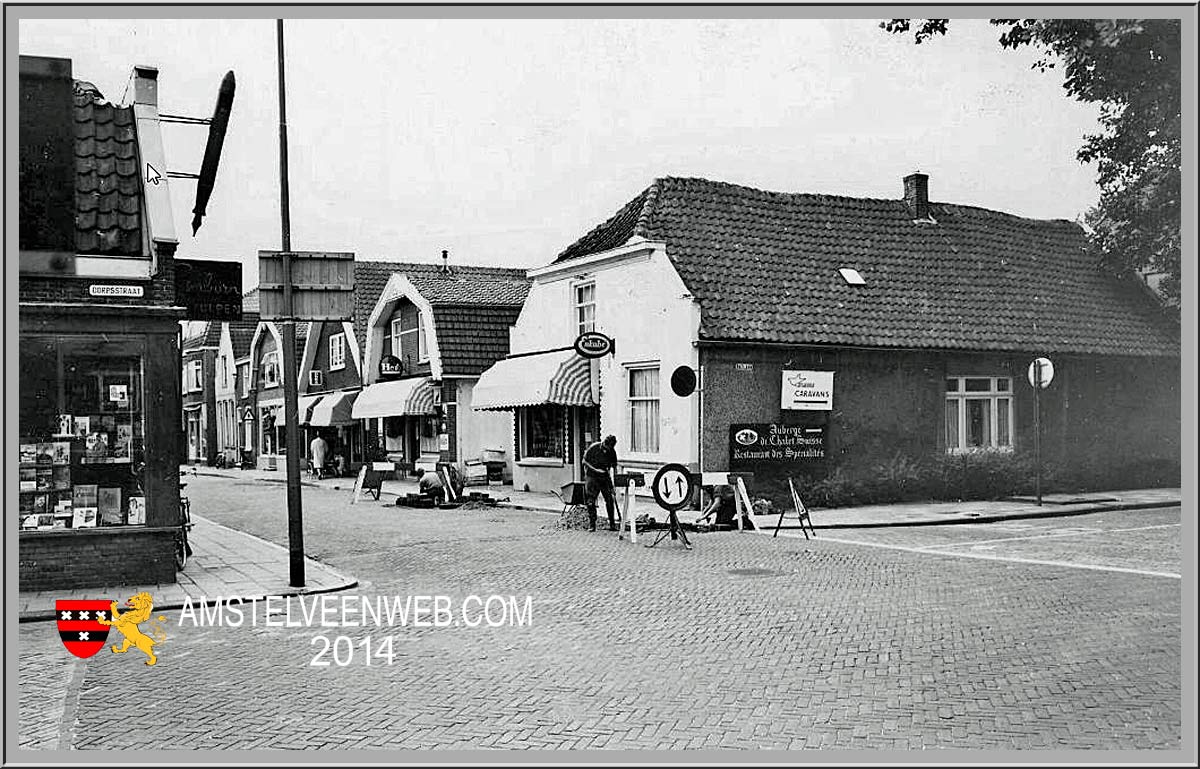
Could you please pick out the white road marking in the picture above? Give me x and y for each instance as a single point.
(1070, 533)
(982, 557)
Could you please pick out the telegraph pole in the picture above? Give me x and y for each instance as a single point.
(290, 406)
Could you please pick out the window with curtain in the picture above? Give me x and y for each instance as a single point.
(422, 342)
(337, 352)
(978, 413)
(269, 365)
(643, 409)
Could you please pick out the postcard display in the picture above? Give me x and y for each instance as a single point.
(82, 433)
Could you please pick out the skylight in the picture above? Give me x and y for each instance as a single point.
(852, 277)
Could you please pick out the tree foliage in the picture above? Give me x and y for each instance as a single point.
(1130, 68)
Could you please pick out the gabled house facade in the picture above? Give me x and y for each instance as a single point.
(265, 375)
(200, 363)
(99, 336)
(427, 338)
(836, 340)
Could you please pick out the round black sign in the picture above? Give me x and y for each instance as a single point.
(390, 365)
(683, 381)
(593, 344)
(672, 487)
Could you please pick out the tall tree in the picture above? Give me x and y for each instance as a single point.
(1130, 68)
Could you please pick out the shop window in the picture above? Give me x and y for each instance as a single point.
(337, 352)
(428, 440)
(542, 432)
(585, 307)
(643, 409)
(978, 414)
(82, 432)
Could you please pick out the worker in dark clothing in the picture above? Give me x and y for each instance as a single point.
(599, 462)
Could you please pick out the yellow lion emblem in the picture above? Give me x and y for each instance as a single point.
(140, 608)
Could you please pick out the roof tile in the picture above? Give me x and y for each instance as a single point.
(764, 267)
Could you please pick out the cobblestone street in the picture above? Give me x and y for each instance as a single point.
(746, 642)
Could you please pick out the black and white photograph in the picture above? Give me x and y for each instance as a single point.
(600, 383)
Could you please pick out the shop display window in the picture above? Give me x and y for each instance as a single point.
(82, 432)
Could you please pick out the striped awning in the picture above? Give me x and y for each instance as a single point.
(335, 410)
(304, 407)
(559, 377)
(395, 399)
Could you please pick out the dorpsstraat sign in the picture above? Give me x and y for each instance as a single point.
(807, 390)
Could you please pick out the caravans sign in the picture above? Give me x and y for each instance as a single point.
(807, 390)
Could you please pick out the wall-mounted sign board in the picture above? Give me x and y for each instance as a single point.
(807, 390)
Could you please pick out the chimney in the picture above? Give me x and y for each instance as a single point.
(916, 194)
(445, 262)
(144, 82)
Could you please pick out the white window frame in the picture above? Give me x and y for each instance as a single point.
(270, 362)
(194, 379)
(631, 400)
(993, 395)
(244, 372)
(578, 307)
(337, 343)
(422, 340)
(224, 373)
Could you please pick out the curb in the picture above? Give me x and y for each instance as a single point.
(348, 583)
(991, 517)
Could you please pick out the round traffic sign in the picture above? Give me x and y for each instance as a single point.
(1041, 372)
(683, 381)
(672, 487)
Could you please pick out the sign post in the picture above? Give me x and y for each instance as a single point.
(1041, 372)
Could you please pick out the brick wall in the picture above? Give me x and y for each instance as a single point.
(101, 557)
(1108, 419)
(159, 291)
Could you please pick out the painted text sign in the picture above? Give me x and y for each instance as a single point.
(754, 445)
(807, 390)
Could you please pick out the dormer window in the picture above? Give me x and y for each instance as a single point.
(852, 276)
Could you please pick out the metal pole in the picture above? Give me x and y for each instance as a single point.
(295, 511)
(1037, 429)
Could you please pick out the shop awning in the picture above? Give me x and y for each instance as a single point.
(304, 407)
(335, 410)
(395, 399)
(560, 377)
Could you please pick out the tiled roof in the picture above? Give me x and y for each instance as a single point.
(108, 205)
(460, 289)
(370, 278)
(241, 332)
(472, 337)
(764, 267)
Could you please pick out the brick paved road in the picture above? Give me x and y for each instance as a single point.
(746, 642)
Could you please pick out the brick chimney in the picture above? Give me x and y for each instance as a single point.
(916, 194)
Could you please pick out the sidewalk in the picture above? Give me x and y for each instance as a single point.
(230, 562)
(227, 563)
(867, 516)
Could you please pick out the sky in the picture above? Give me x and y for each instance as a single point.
(504, 140)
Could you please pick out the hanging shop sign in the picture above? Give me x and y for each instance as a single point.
(593, 344)
(390, 366)
(210, 290)
(807, 390)
(754, 445)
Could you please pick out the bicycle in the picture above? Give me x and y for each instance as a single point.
(183, 549)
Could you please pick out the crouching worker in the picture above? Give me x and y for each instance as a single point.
(430, 485)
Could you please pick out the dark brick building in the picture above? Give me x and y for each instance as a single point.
(99, 378)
